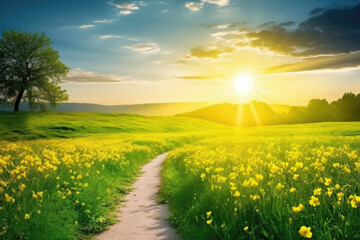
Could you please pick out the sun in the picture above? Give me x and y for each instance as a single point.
(243, 84)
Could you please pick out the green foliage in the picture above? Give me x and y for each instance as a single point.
(31, 70)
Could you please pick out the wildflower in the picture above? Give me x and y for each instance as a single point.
(202, 176)
(298, 208)
(327, 181)
(208, 214)
(305, 232)
(340, 196)
(246, 228)
(317, 192)
(27, 216)
(292, 189)
(337, 186)
(9, 199)
(314, 201)
(256, 197)
(209, 221)
(279, 186)
(223, 225)
(236, 194)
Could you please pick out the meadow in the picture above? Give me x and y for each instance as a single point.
(275, 187)
(62, 174)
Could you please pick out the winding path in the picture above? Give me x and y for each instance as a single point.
(142, 218)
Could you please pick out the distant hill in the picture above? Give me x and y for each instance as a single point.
(251, 114)
(151, 109)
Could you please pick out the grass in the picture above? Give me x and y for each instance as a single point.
(251, 186)
(62, 174)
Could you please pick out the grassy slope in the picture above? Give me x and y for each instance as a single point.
(17, 126)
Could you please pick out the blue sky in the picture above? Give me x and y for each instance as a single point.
(164, 51)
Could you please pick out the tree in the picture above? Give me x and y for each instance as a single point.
(348, 107)
(319, 110)
(31, 70)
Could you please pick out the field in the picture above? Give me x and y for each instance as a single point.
(275, 187)
(63, 174)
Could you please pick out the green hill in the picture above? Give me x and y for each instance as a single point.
(35, 125)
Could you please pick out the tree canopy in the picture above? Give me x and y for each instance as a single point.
(30, 70)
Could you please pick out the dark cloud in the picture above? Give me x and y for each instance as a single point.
(330, 31)
(318, 63)
(316, 11)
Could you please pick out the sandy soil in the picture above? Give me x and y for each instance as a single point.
(141, 218)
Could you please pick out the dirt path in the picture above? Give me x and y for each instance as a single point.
(142, 218)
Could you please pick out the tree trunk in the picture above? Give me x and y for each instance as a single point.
(18, 100)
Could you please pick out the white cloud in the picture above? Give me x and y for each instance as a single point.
(104, 21)
(220, 3)
(86, 26)
(109, 36)
(144, 47)
(126, 8)
(197, 6)
(125, 12)
(80, 76)
(223, 26)
(194, 6)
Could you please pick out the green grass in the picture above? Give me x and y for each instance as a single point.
(212, 176)
(107, 151)
(27, 126)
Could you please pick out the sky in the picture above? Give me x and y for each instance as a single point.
(130, 52)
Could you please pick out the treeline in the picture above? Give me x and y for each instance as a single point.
(346, 108)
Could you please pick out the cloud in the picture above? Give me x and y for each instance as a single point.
(79, 76)
(104, 21)
(220, 3)
(144, 47)
(200, 52)
(351, 60)
(126, 8)
(197, 6)
(194, 6)
(86, 26)
(203, 77)
(109, 36)
(325, 32)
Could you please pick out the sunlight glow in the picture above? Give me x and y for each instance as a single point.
(243, 84)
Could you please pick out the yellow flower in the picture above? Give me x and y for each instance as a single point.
(202, 176)
(223, 225)
(38, 211)
(337, 186)
(317, 192)
(236, 194)
(208, 214)
(27, 216)
(340, 196)
(279, 186)
(305, 232)
(327, 181)
(298, 208)
(292, 189)
(209, 221)
(9, 199)
(246, 228)
(256, 197)
(314, 201)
